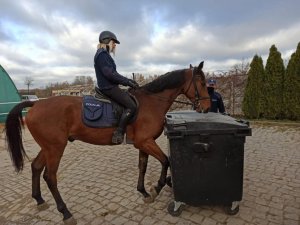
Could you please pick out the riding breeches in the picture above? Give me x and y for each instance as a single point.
(122, 97)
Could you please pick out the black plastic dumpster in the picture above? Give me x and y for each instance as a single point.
(206, 153)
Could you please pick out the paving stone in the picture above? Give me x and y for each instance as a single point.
(137, 217)
(292, 216)
(98, 184)
(294, 210)
(219, 217)
(236, 221)
(147, 220)
(97, 221)
(208, 221)
(197, 218)
(132, 223)
(119, 220)
(290, 222)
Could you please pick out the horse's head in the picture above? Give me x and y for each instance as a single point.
(195, 88)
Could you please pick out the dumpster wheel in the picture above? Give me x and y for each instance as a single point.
(175, 208)
(232, 209)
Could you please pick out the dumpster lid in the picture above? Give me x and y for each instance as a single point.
(184, 116)
(190, 122)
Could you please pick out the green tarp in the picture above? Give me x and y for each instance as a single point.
(9, 95)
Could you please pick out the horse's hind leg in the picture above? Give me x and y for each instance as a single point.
(37, 167)
(53, 158)
(143, 161)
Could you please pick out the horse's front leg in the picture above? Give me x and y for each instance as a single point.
(149, 147)
(143, 161)
(162, 180)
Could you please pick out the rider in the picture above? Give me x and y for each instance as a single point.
(215, 97)
(108, 80)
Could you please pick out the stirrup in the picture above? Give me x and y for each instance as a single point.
(117, 137)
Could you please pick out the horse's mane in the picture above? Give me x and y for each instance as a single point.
(169, 80)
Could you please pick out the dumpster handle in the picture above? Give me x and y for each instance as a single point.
(175, 135)
(204, 147)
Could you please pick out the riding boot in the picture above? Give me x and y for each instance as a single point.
(118, 135)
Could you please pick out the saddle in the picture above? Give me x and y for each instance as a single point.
(99, 111)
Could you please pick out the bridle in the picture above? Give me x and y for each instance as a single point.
(198, 98)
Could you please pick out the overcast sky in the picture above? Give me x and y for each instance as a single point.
(54, 41)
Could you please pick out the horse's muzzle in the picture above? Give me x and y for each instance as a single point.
(202, 110)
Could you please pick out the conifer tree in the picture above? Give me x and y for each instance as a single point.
(252, 100)
(273, 85)
(292, 87)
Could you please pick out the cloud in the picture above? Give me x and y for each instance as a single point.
(55, 41)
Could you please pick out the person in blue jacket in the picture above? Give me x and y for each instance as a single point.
(217, 104)
(108, 80)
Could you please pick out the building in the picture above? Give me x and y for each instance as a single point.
(75, 90)
(9, 95)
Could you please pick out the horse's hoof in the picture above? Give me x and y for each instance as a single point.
(148, 199)
(42, 206)
(153, 193)
(70, 221)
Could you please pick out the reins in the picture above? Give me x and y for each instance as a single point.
(167, 99)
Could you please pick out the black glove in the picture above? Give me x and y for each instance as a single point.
(133, 84)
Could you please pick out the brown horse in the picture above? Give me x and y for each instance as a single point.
(54, 121)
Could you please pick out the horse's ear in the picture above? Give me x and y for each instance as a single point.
(201, 65)
(191, 66)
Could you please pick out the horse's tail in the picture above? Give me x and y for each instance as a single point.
(14, 123)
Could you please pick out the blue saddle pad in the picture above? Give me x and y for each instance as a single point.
(97, 113)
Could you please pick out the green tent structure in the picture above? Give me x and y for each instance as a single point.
(9, 95)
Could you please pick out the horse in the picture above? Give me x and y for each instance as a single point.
(54, 121)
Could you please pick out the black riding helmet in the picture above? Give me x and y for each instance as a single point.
(106, 36)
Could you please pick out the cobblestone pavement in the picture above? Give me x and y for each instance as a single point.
(98, 184)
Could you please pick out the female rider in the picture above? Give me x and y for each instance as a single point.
(108, 80)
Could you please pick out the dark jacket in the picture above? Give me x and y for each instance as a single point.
(217, 104)
(106, 73)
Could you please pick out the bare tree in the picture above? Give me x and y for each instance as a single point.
(238, 79)
(231, 85)
(28, 81)
(83, 80)
(89, 80)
